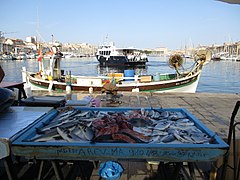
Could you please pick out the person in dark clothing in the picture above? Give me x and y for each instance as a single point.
(7, 96)
(2, 74)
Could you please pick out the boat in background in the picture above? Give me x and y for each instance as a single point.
(21, 56)
(51, 77)
(229, 57)
(108, 55)
(7, 57)
(219, 56)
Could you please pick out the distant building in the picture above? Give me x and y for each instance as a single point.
(31, 39)
(228, 48)
(82, 49)
(160, 51)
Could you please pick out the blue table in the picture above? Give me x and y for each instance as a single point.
(12, 123)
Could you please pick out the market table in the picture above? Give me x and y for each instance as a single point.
(12, 123)
(78, 151)
(19, 86)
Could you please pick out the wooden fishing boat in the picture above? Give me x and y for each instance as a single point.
(51, 78)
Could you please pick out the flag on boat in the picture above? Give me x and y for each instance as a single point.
(40, 55)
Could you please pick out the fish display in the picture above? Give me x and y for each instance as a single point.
(125, 126)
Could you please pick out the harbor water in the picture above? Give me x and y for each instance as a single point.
(216, 77)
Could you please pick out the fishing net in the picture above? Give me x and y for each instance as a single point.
(175, 61)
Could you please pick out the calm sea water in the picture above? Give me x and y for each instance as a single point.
(216, 77)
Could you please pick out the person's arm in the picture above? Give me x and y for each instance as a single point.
(2, 74)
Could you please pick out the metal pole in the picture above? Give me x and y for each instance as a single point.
(225, 160)
(52, 39)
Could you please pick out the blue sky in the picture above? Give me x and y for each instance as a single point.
(138, 23)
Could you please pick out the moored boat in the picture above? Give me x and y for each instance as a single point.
(109, 55)
(51, 77)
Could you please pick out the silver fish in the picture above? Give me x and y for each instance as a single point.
(200, 139)
(87, 132)
(144, 130)
(165, 114)
(163, 125)
(168, 138)
(64, 135)
(140, 122)
(180, 138)
(157, 132)
(155, 139)
(156, 115)
(76, 138)
(45, 137)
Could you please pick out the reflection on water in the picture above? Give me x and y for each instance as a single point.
(220, 77)
(216, 77)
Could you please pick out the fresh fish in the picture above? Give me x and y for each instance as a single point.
(87, 132)
(173, 117)
(155, 139)
(83, 114)
(104, 138)
(183, 120)
(181, 115)
(67, 114)
(135, 135)
(140, 122)
(123, 137)
(64, 135)
(47, 131)
(144, 130)
(180, 138)
(150, 113)
(157, 132)
(184, 123)
(200, 139)
(64, 125)
(75, 130)
(181, 127)
(156, 115)
(163, 125)
(165, 114)
(135, 126)
(77, 138)
(168, 138)
(45, 137)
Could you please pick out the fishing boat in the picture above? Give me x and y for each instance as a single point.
(107, 54)
(51, 77)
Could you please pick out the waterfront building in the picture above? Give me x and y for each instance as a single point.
(80, 49)
(159, 51)
(228, 48)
